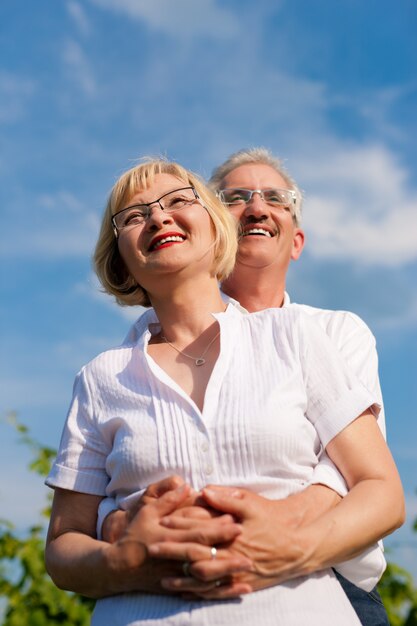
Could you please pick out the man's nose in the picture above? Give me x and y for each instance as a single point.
(256, 206)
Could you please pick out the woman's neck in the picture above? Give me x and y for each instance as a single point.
(185, 312)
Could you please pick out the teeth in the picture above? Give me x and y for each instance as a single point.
(257, 231)
(165, 239)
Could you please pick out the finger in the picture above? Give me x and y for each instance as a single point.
(179, 522)
(186, 551)
(187, 584)
(221, 592)
(194, 512)
(156, 490)
(205, 535)
(228, 500)
(216, 569)
(165, 505)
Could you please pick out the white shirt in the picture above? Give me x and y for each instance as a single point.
(355, 342)
(278, 393)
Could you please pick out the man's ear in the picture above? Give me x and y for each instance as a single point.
(298, 244)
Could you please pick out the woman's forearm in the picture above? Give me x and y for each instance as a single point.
(78, 562)
(97, 569)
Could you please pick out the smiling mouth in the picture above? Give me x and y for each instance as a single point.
(165, 241)
(256, 231)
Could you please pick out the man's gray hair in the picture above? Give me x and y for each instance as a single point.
(264, 157)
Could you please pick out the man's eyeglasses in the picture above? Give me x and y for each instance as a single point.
(138, 213)
(273, 197)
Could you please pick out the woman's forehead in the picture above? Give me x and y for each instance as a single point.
(153, 187)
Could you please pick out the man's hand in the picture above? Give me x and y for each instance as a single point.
(245, 564)
(271, 540)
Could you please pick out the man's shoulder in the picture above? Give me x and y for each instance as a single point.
(339, 324)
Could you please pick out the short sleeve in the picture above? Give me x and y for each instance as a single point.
(357, 345)
(335, 396)
(326, 473)
(81, 459)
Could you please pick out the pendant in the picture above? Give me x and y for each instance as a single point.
(199, 361)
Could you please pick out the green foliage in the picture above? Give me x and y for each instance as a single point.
(30, 596)
(399, 596)
(43, 456)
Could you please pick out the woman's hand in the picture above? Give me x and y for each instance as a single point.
(130, 551)
(79, 562)
(116, 522)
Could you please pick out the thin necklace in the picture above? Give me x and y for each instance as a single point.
(197, 361)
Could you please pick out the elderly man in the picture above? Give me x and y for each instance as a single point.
(253, 184)
(267, 204)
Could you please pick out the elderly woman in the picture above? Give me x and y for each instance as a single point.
(211, 395)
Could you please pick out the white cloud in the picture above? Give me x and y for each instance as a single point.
(361, 207)
(63, 199)
(79, 67)
(15, 93)
(93, 290)
(182, 19)
(79, 16)
(400, 321)
(34, 391)
(57, 226)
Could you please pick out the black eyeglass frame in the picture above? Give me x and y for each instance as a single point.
(148, 206)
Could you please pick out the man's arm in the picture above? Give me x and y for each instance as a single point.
(295, 510)
(373, 508)
(289, 513)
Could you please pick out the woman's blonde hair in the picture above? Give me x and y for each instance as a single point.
(108, 263)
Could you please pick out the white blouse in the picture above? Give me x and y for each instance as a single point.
(279, 392)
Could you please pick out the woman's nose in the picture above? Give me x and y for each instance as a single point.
(158, 217)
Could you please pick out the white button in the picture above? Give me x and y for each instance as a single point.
(209, 470)
(204, 446)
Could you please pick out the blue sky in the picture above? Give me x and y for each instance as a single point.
(88, 87)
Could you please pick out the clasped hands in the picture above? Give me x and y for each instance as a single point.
(259, 542)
